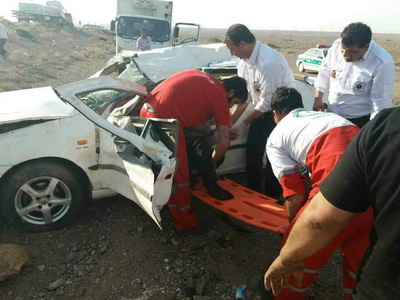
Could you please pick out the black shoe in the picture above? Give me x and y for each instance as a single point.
(219, 193)
(201, 228)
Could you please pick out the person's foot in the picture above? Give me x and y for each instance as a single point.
(219, 193)
(201, 228)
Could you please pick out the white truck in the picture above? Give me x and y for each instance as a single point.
(155, 16)
(53, 13)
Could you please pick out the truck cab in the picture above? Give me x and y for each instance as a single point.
(155, 17)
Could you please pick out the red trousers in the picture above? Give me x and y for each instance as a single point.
(353, 240)
(179, 202)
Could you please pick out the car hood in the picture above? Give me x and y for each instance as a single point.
(159, 64)
(179, 58)
(33, 104)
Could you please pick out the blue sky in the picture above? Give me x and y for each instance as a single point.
(383, 16)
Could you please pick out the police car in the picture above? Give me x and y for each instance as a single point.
(312, 58)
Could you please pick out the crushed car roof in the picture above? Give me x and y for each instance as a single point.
(159, 64)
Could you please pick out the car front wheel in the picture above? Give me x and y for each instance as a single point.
(301, 67)
(41, 196)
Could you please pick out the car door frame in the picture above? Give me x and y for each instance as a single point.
(129, 173)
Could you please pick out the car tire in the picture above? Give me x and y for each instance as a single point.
(41, 195)
(301, 67)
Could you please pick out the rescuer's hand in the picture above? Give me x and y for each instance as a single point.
(318, 104)
(277, 276)
(234, 134)
(237, 130)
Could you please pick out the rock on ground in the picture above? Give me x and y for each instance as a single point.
(12, 259)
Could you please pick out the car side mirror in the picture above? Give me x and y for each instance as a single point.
(176, 32)
(112, 25)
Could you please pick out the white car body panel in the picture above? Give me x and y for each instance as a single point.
(23, 145)
(121, 175)
(40, 103)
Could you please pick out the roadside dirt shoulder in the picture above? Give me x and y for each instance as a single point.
(46, 56)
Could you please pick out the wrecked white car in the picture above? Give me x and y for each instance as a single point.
(86, 139)
(61, 145)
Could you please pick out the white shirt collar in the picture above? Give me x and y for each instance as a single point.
(365, 56)
(253, 57)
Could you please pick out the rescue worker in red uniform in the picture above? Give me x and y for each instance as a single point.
(193, 97)
(313, 142)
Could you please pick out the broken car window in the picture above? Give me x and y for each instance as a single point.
(97, 99)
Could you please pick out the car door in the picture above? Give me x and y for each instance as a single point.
(136, 155)
(319, 57)
(186, 33)
(309, 59)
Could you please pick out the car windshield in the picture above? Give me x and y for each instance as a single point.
(325, 52)
(132, 73)
(310, 52)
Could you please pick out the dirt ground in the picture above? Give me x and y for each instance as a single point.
(114, 250)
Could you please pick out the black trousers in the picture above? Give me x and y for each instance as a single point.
(199, 154)
(259, 132)
(361, 121)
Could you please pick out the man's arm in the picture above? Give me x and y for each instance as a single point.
(382, 88)
(293, 204)
(223, 143)
(318, 103)
(237, 112)
(286, 170)
(237, 128)
(322, 82)
(255, 114)
(317, 226)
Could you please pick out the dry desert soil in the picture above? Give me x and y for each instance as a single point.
(114, 250)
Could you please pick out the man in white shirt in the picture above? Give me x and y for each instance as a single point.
(264, 70)
(359, 75)
(3, 39)
(143, 43)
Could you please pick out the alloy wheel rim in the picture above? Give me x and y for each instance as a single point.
(43, 200)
